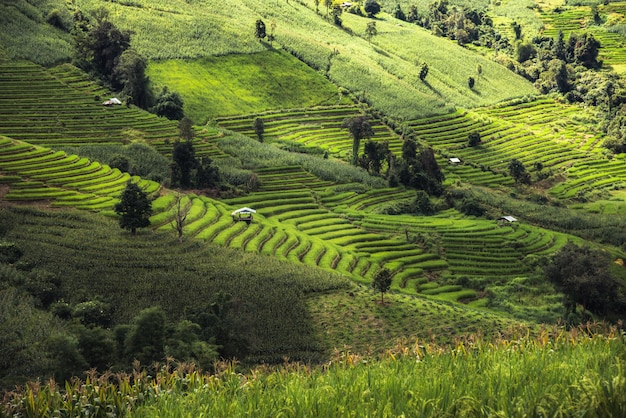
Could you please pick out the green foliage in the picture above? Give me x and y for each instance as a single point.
(169, 104)
(422, 204)
(183, 162)
(93, 313)
(130, 74)
(583, 275)
(145, 341)
(9, 252)
(518, 171)
(382, 282)
(473, 138)
(259, 128)
(371, 7)
(134, 208)
(360, 128)
(23, 329)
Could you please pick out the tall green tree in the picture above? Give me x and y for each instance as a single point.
(130, 76)
(375, 154)
(183, 163)
(398, 13)
(107, 44)
(134, 208)
(259, 128)
(185, 129)
(169, 104)
(371, 7)
(583, 275)
(382, 282)
(359, 128)
(145, 341)
(370, 31)
(518, 172)
(260, 31)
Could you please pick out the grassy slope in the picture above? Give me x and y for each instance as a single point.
(242, 83)
(384, 70)
(25, 34)
(282, 309)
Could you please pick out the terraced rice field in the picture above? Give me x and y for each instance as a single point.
(300, 217)
(318, 127)
(58, 107)
(539, 131)
(36, 173)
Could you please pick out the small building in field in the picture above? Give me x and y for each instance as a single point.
(454, 161)
(243, 214)
(503, 220)
(112, 101)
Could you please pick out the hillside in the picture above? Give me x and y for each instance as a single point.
(466, 230)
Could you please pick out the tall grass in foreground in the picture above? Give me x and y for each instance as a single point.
(556, 373)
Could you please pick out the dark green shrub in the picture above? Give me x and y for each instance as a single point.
(9, 252)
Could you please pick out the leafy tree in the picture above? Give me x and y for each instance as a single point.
(107, 44)
(183, 162)
(412, 16)
(398, 13)
(207, 175)
(259, 128)
(422, 204)
(409, 151)
(559, 46)
(337, 11)
(328, 4)
(185, 129)
(184, 344)
(371, 7)
(472, 207)
(375, 154)
(97, 346)
(583, 49)
(359, 128)
(583, 275)
(517, 30)
(525, 51)
(130, 75)
(145, 340)
(518, 172)
(67, 361)
(382, 282)
(134, 207)
(473, 138)
(470, 82)
(260, 30)
(169, 104)
(120, 162)
(423, 71)
(93, 313)
(370, 30)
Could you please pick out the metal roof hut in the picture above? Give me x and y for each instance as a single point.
(243, 214)
(112, 101)
(506, 219)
